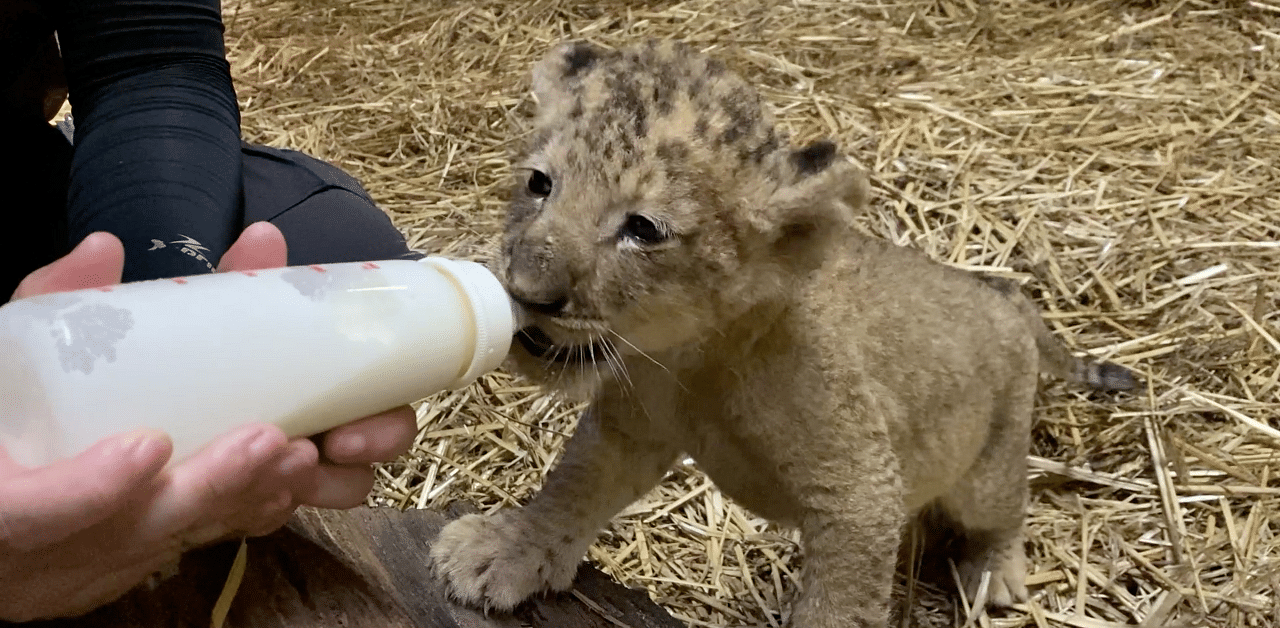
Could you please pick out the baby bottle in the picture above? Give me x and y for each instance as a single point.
(306, 348)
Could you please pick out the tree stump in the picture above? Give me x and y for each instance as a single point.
(355, 568)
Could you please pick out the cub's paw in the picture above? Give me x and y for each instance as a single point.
(496, 562)
(1008, 567)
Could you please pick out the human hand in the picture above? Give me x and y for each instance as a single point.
(345, 477)
(79, 533)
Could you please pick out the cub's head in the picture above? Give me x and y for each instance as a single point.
(655, 202)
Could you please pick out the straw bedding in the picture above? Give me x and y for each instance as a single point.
(1120, 158)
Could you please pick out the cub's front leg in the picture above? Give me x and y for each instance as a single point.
(851, 521)
(500, 560)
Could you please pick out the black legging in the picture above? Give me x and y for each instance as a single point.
(158, 159)
(157, 127)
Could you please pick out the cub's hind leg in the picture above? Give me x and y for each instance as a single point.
(988, 506)
(500, 560)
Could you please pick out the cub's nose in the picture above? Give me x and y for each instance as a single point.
(531, 279)
(547, 301)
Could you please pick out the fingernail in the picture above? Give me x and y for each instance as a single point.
(349, 445)
(274, 514)
(205, 535)
(273, 508)
(296, 460)
(143, 446)
(262, 441)
(283, 500)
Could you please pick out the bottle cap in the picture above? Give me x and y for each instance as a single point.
(496, 315)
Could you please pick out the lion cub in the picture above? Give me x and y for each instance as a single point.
(699, 278)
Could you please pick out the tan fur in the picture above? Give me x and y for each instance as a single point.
(821, 378)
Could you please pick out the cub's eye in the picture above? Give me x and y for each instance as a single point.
(643, 230)
(539, 184)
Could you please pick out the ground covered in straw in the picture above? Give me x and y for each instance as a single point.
(1119, 157)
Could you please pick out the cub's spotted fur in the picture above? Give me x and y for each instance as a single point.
(698, 277)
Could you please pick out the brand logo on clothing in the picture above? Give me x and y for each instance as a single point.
(187, 245)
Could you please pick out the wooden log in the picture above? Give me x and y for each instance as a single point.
(355, 568)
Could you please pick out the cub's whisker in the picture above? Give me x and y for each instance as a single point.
(620, 372)
(651, 359)
(637, 350)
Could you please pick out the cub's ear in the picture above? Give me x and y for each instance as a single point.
(556, 73)
(821, 191)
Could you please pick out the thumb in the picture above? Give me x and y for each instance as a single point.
(97, 261)
(261, 245)
(39, 507)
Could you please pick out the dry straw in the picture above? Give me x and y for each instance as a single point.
(1120, 157)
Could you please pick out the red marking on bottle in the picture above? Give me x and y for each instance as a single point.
(179, 280)
(370, 266)
(248, 273)
(319, 269)
(104, 289)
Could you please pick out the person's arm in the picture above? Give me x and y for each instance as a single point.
(157, 149)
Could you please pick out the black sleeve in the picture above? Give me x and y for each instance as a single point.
(157, 147)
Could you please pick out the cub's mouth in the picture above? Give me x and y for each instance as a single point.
(541, 346)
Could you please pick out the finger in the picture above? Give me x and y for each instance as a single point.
(216, 483)
(299, 468)
(97, 261)
(299, 471)
(43, 506)
(260, 245)
(272, 517)
(379, 438)
(266, 506)
(341, 487)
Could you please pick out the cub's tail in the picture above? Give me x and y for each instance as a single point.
(1057, 361)
(1055, 358)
